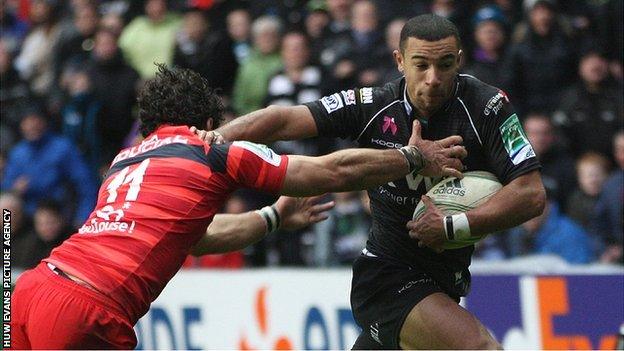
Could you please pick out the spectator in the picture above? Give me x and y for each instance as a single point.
(608, 222)
(387, 65)
(368, 50)
(208, 52)
(40, 165)
(511, 9)
(238, 28)
(611, 28)
(358, 54)
(76, 44)
(454, 11)
(592, 110)
(340, 12)
(35, 63)
(491, 248)
(114, 84)
(336, 33)
(557, 164)
(12, 29)
(14, 95)
(150, 38)
(20, 227)
(349, 228)
(489, 32)
(112, 22)
(551, 233)
(315, 24)
(539, 63)
(592, 170)
(296, 84)
(49, 230)
(81, 115)
(251, 84)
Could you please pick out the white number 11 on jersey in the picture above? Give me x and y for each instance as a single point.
(134, 178)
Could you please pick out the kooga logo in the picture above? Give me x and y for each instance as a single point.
(452, 187)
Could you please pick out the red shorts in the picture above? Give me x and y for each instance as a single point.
(54, 312)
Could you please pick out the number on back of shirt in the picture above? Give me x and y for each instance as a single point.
(134, 178)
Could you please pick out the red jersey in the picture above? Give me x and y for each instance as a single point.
(155, 204)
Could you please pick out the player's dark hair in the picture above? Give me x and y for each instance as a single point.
(178, 96)
(428, 27)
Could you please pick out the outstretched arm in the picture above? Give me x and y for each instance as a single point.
(345, 170)
(270, 124)
(232, 232)
(357, 169)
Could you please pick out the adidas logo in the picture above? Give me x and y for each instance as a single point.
(452, 187)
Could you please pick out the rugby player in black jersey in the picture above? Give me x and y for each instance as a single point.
(405, 288)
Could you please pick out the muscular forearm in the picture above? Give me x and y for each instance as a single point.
(366, 168)
(346, 170)
(516, 203)
(270, 124)
(230, 232)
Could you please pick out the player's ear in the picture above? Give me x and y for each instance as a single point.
(209, 124)
(460, 58)
(399, 60)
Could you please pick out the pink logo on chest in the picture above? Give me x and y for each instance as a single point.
(389, 124)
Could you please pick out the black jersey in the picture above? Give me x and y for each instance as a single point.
(381, 117)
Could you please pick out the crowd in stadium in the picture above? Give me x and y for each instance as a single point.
(71, 70)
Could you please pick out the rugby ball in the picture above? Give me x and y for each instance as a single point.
(453, 196)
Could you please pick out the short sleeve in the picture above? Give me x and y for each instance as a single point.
(343, 114)
(250, 165)
(507, 147)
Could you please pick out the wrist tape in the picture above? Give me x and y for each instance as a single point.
(457, 227)
(271, 217)
(415, 159)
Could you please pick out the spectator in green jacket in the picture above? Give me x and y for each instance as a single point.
(251, 86)
(150, 38)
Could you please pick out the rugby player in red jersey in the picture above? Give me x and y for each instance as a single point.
(155, 204)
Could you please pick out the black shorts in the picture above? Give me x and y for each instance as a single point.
(382, 295)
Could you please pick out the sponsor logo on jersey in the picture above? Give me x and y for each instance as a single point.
(515, 141)
(108, 219)
(413, 283)
(389, 125)
(495, 103)
(147, 145)
(332, 102)
(452, 187)
(261, 151)
(374, 331)
(349, 96)
(386, 143)
(366, 95)
(107, 211)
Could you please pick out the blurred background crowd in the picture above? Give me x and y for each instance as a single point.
(70, 72)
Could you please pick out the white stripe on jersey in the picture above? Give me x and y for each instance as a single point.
(471, 122)
(374, 116)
